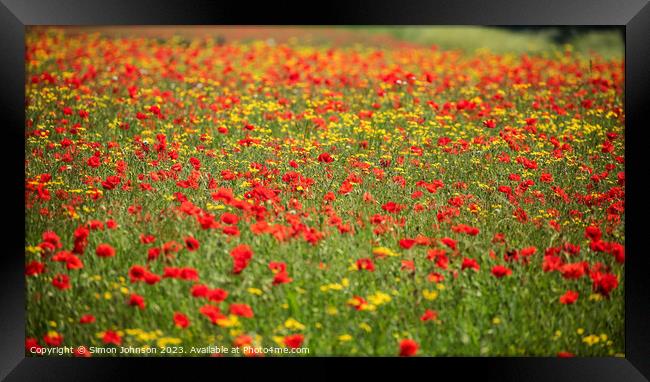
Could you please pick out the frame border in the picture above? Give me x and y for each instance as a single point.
(634, 15)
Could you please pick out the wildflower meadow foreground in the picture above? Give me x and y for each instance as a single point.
(187, 195)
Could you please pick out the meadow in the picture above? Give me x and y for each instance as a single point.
(354, 200)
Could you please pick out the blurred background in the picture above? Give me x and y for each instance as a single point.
(607, 41)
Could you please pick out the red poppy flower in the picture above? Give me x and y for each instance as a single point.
(147, 239)
(604, 283)
(599, 246)
(571, 248)
(325, 158)
(61, 281)
(111, 182)
(171, 272)
(217, 295)
(365, 264)
(54, 339)
(52, 238)
(408, 265)
(528, 251)
(137, 300)
(499, 238)
(31, 345)
(618, 251)
(242, 340)
(230, 230)
(277, 266)
(195, 163)
(241, 255)
(408, 348)
(81, 351)
(96, 225)
(439, 256)
(105, 250)
(434, 253)
(137, 273)
(294, 341)
(463, 228)
(407, 243)
(572, 271)
(228, 218)
(469, 264)
(94, 161)
(80, 239)
(151, 278)
(570, 297)
(500, 271)
(191, 243)
(281, 278)
(329, 197)
(87, 319)
(200, 290)
(171, 247)
(358, 302)
(212, 312)
(189, 274)
(73, 262)
(111, 337)
(429, 315)
(181, 320)
(593, 233)
(451, 243)
(435, 277)
(241, 310)
(490, 123)
(393, 207)
(153, 253)
(546, 177)
(34, 268)
(61, 256)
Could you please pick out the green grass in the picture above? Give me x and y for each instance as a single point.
(608, 43)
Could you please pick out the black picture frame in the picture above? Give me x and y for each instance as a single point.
(633, 15)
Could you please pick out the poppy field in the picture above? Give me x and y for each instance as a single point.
(188, 194)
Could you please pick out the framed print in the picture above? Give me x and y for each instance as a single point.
(435, 185)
